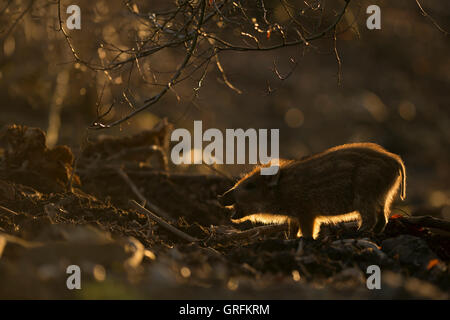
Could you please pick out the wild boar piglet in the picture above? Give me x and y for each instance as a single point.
(355, 181)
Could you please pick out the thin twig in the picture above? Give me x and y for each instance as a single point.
(224, 76)
(161, 222)
(133, 187)
(230, 47)
(141, 197)
(8, 211)
(426, 15)
(338, 59)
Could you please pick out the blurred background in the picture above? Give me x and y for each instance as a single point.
(392, 86)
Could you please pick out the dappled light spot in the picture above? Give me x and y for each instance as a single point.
(9, 46)
(101, 53)
(185, 272)
(99, 272)
(375, 106)
(296, 275)
(438, 198)
(407, 110)
(233, 284)
(294, 118)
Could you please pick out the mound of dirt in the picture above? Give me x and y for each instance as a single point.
(28, 160)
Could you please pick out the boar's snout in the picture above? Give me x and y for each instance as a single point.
(226, 199)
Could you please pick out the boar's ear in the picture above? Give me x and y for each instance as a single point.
(272, 180)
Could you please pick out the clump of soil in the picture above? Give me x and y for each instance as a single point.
(54, 214)
(28, 160)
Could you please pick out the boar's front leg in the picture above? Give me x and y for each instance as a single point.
(307, 227)
(293, 227)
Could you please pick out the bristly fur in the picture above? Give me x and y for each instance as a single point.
(357, 181)
(373, 146)
(265, 218)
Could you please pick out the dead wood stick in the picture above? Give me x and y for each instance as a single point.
(141, 197)
(429, 222)
(133, 187)
(161, 222)
(8, 211)
(20, 241)
(257, 231)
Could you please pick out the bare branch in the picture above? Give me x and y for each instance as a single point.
(202, 30)
(98, 124)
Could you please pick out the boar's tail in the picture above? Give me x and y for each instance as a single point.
(402, 172)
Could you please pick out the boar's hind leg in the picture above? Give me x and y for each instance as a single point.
(385, 211)
(368, 213)
(381, 223)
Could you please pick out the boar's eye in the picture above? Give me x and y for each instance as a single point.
(250, 186)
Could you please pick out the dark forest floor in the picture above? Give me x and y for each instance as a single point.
(51, 218)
